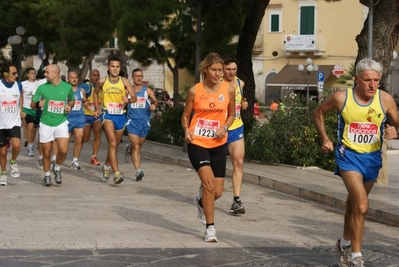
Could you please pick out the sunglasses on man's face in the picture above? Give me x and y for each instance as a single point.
(13, 73)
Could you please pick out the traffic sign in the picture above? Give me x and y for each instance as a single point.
(41, 50)
(320, 76)
(338, 70)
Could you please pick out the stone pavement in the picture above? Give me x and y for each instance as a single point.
(86, 222)
(309, 183)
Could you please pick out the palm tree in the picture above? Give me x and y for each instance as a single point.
(348, 77)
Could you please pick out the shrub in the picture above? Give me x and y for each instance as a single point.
(290, 137)
(166, 127)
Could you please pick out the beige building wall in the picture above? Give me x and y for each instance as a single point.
(336, 25)
(185, 79)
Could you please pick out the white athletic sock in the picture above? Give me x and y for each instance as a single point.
(344, 242)
(355, 255)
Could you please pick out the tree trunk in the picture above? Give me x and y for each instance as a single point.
(385, 34)
(85, 67)
(175, 72)
(244, 51)
(123, 58)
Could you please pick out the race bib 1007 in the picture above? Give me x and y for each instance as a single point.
(363, 132)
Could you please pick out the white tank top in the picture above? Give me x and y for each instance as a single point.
(9, 106)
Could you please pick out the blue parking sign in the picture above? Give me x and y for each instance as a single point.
(41, 50)
(320, 76)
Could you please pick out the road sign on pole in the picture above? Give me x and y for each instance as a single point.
(320, 81)
(41, 51)
(320, 76)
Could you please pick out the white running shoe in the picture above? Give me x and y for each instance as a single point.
(14, 170)
(200, 213)
(3, 179)
(210, 234)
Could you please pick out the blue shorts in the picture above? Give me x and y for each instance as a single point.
(138, 127)
(89, 120)
(118, 120)
(235, 135)
(367, 164)
(72, 124)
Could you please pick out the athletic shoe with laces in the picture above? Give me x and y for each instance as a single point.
(118, 178)
(106, 172)
(57, 178)
(75, 166)
(128, 154)
(345, 254)
(14, 170)
(94, 161)
(139, 175)
(200, 213)
(210, 234)
(47, 180)
(357, 262)
(3, 179)
(40, 164)
(30, 150)
(237, 207)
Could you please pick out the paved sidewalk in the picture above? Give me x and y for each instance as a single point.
(86, 222)
(309, 183)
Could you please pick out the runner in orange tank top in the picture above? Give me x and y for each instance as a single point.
(213, 104)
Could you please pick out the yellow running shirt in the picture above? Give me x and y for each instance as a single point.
(112, 94)
(237, 123)
(360, 126)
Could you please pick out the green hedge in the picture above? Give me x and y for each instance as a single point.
(288, 138)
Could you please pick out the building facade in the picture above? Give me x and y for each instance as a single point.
(293, 31)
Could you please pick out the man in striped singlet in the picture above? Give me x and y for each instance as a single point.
(362, 112)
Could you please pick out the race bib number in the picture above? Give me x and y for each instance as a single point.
(115, 108)
(9, 106)
(56, 106)
(139, 104)
(78, 105)
(206, 128)
(362, 133)
(238, 111)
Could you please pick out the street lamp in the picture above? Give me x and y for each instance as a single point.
(310, 68)
(16, 43)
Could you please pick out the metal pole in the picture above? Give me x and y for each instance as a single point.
(307, 90)
(19, 61)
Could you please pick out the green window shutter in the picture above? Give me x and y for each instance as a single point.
(307, 20)
(275, 27)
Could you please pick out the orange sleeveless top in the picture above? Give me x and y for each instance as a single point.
(210, 113)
